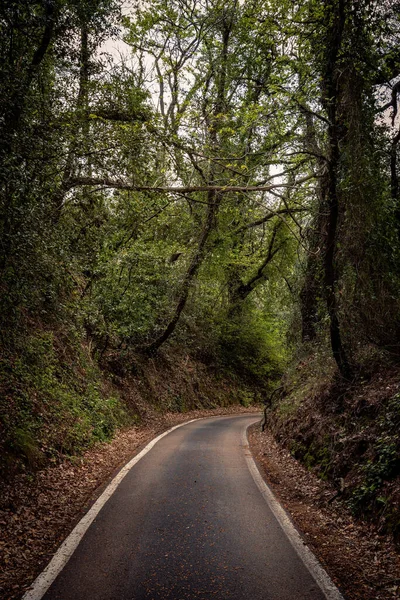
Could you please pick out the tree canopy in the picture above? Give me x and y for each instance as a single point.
(231, 187)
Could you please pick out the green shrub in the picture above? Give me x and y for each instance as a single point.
(59, 404)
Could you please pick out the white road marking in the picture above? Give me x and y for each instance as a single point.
(321, 577)
(67, 548)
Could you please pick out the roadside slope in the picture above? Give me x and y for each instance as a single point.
(363, 563)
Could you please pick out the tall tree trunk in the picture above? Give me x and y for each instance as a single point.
(312, 284)
(312, 287)
(332, 86)
(331, 277)
(80, 123)
(394, 177)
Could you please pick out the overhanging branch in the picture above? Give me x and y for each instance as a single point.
(393, 102)
(223, 189)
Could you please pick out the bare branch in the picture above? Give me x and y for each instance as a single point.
(393, 102)
(270, 215)
(307, 109)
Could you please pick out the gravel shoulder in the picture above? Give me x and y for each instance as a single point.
(364, 564)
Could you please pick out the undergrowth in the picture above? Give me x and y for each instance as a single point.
(54, 402)
(58, 397)
(347, 433)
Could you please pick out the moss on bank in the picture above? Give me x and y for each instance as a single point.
(54, 401)
(347, 432)
(58, 398)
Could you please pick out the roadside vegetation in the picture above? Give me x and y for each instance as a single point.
(211, 217)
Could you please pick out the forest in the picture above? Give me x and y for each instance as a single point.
(200, 206)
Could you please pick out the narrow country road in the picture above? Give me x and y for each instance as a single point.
(188, 522)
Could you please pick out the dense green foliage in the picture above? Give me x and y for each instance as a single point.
(228, 190)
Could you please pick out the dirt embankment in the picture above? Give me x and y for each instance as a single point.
(362, 562)
(348, 434)
(332, 454)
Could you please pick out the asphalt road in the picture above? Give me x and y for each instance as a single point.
(188, 522)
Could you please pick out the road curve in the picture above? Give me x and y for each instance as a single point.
(187, 522)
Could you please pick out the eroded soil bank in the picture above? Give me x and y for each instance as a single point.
(364, 564)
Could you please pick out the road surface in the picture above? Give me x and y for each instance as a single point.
(188, 522)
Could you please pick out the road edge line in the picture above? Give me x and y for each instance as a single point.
(43, 581)
(325, 583)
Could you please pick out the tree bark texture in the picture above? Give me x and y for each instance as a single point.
(334, 104)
